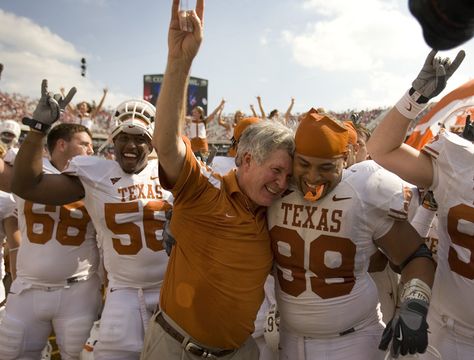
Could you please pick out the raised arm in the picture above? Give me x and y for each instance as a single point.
(386, 145)
(182, 48)
(221, 121)
(252, 109)
(214, 113)
(98, 107)
(28, 181)
(259, 101)
(288, 111)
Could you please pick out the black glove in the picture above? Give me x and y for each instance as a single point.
(49, 108)
(433, 76)
(168, 238)
(408, 330)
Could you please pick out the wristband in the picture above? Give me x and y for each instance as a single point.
(36, 125)
(416, 289)
(409, 105)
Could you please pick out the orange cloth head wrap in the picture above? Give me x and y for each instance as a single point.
(320, 136)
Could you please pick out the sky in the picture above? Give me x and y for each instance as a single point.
(338, 54)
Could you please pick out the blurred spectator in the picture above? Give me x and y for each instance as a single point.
(16, 106)
(85, 113)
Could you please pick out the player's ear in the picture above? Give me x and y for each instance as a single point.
(246, 159)
(60, 144)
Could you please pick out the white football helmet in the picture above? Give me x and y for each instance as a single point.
(11, 127)
(429, 350)
(132, 117)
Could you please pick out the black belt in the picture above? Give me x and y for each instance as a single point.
(190, 346)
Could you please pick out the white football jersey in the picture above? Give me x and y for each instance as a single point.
(7, 208)
(223, 164)
(453, 185)
(128, 211)
(58, 242)
(322, 250)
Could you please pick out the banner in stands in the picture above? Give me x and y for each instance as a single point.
(197, 91)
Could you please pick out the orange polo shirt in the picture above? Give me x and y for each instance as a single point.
(213, 286)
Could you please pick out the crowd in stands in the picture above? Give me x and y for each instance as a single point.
(16, 106)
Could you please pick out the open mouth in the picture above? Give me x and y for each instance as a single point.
(129, 155)
(314, 191)
(272, 191)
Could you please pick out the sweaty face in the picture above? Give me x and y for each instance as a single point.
(131, 152)
(80, 144)
(310, 173)
(266, 182)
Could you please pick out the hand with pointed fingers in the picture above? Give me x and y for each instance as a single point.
(51, 105)
(434, 75)
(182, 43)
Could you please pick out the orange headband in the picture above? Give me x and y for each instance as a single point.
(320, 136)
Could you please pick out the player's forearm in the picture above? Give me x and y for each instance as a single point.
(28, 165)
(389, 134)
(419, 268)
(386, 146)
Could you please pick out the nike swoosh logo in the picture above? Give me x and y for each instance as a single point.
(230, 216)
(335, 198)
(400, 337)
(408, 107)
(153, 178)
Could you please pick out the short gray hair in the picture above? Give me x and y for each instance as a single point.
(263, 138)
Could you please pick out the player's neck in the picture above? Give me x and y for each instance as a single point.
(58, 162)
